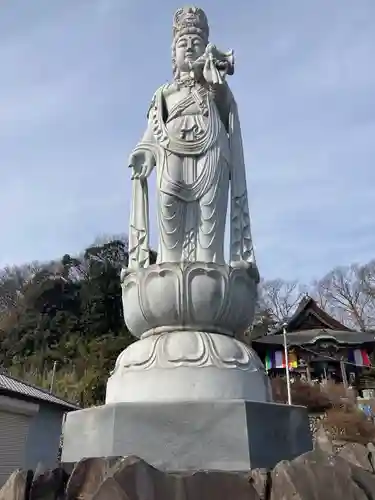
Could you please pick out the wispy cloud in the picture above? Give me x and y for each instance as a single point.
(76, 81)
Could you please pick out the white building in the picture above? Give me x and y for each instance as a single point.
(30, 426)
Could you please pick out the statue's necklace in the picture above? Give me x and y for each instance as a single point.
(188, 81)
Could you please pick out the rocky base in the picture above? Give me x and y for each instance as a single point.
(318, 474)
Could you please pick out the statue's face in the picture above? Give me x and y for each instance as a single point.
(188, 49)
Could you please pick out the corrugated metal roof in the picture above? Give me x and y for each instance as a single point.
(20, 387)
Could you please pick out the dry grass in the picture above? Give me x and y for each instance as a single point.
(349, 424)
(343, 419)
(338, 394)
(302, 394)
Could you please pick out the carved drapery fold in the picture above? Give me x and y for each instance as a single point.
(241, 244)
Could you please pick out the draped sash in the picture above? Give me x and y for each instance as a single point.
(241, 246)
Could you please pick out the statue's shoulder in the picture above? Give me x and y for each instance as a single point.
(169, 89)
(160, 94)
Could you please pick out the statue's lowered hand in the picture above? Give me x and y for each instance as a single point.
(142, 162)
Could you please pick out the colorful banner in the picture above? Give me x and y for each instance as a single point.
(276, 359)
(359, 357)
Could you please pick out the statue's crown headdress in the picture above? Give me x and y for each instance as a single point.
(190, 19)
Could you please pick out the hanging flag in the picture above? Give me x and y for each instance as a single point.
(359, 357)
(292, 360)
(276, 359)
(279, 359)
(268, 361)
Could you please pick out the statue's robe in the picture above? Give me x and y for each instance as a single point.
(197, 157)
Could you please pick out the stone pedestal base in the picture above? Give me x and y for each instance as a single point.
(180, 365)
(199, 435)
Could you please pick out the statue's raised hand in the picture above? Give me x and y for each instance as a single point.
(142, 161)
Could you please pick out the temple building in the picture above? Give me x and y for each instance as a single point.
(319, 347)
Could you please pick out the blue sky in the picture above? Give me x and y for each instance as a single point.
(77, 77)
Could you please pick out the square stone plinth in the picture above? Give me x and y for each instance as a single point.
(184, 436)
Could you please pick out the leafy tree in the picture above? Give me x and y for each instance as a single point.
(68, 312)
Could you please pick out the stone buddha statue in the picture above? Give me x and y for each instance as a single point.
(193, 141)
(190, 309)
(189, 394)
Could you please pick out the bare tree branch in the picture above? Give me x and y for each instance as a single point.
(346, 293)
(280, 298)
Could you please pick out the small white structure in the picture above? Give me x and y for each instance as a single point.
(30, 426)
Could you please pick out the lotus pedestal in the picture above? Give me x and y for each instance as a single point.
(188, 395)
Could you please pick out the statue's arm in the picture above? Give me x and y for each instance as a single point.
(228, 98)
(148, 135)
(143, 160)
(224, 100)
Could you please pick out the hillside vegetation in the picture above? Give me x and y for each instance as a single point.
(68, 312)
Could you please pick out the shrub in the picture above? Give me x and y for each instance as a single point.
(304, 394)
(349, 424)
(343, 420)
(339, 396)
